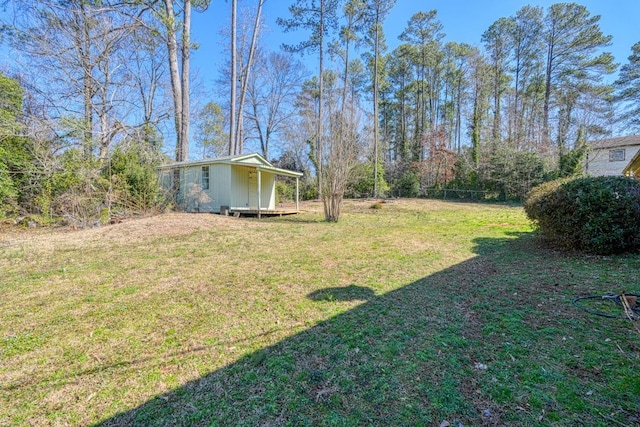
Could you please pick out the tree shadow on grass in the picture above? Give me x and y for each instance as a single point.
(402, 358)
(413, 356)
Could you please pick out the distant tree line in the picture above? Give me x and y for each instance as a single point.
(98, 88)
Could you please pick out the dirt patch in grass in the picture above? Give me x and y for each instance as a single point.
(165, 225)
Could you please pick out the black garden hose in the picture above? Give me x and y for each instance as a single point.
(613, 297)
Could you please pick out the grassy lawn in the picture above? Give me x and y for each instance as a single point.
(416, 313)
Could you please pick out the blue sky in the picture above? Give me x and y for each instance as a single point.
(463, 21)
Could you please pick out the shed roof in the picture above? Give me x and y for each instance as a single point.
(621, 141)
(251, 160)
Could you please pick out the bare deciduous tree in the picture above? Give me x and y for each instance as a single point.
(272, 90)
(245, 73)
(343, 148)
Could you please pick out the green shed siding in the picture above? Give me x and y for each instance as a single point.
(244, 191)
(268, 193)
(221, 183)
(194, 197)
(239, 188)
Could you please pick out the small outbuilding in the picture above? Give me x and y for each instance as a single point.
(227, 185)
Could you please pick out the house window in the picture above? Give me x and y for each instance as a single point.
(616, 155)
(205, 177)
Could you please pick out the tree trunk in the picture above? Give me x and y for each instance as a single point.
(376, 54)
(172, 48)
(458, 115)
(515, 131)
(87, 137)
(245, 81)
(183, 142)
(106, 131)
(547, 97)
(232, 107)
(475, 125)
(403, 119)
(495, 133)
(320, 94)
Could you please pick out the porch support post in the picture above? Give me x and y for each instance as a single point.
(297, 193)
(259, 191)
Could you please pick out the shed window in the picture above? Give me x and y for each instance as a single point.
(176, 180)
(205, 177)
(616, 155)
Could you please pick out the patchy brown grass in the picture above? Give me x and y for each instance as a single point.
(379, 319)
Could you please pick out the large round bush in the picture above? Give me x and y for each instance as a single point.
(598, 215)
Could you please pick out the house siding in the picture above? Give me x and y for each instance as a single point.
(600, 164)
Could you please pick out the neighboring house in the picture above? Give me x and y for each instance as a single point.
(613, 156)
(244, 184)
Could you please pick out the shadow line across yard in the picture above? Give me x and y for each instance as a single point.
(468, 344)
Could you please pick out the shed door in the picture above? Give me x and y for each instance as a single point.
(252, 188)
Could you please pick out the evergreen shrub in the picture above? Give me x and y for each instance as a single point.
(599, 215)
(308, 190)
(285, 191)
(408, 185)
(361, 181)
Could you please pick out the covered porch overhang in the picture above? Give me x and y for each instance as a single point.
(265, 210)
